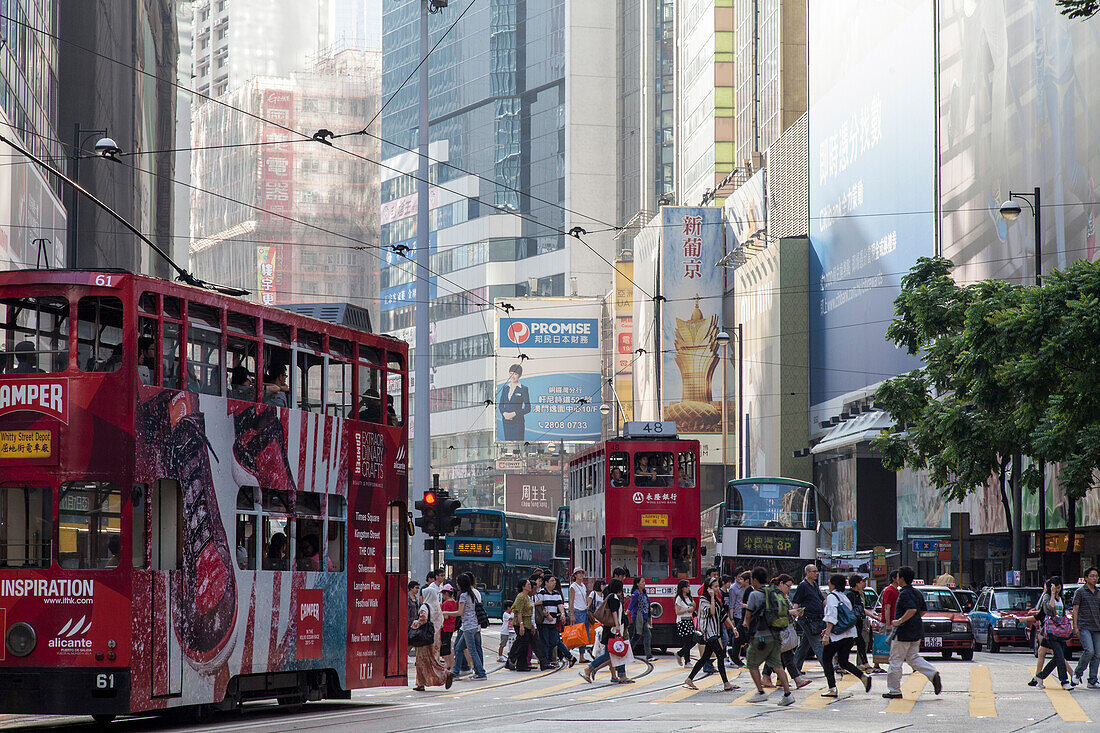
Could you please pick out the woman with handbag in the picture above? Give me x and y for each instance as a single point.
(640, 622)
(788, 639)
(424, 635)
(1058, 628)
(1042, 645)
(611, 613)
(710, 628)
(685, 622)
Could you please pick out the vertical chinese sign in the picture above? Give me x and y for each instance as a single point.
(276, 191)
(624, 338)
(691, 244)
(266, 274)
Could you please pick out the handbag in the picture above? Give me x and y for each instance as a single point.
(482, 617)
(423, 635)
(1060, 627)
(685, 627)
(788, 639)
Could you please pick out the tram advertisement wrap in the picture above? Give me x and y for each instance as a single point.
(217, 614)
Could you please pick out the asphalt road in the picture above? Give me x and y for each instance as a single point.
(989, 693)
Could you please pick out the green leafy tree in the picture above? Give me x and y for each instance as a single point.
(1078, 9)
(1007, 370)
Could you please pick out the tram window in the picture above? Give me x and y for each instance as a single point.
(247, 521)
(34, 335)
(274, 331)
(337, 528)
(166, 524)
(276, 542)
(309, 526)
(147, 303)
(99, 334)
(395, 392)
(340, 397)
(204, 361)
(620, 469)
(652, 469)
(25, 531)
(654, 559)
(89, 525)
(172, 307)
(241, 355)
(204, 315)
(397, 539)
(240, 323)
(683, 557)
(276, 501)
(370, 393)
(276, 387)
(370, 355)
(624, 554)
(687, 470)
(170, 354)
(147, 351)
(310, 370)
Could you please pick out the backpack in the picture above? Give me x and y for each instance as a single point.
(482, 617)
(845, 617)
(776, 609)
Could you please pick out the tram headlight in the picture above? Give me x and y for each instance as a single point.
(20, 639)
(655, 610)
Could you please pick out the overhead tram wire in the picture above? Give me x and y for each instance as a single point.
(324, 139)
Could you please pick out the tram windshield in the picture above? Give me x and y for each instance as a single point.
(771, 503)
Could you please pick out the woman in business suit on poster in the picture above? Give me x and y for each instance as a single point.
(514, 402)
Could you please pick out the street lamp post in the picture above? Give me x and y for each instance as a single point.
(105, 148)
(1010, 211)
(723, 340)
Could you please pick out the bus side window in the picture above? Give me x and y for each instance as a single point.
(248, 519)
(620, 469)
(397, 539)
(241, 354)
(99, 334)
(276, 385)
(166, 524)
(337, 531)
(89, 525)
(370, 394)
(276, 526)
(147, 351)
(310, 371)
(624, 553)
(687, 470)
(309, 527)
(395, 391)
(170, 355)
(684, 550)
(339, 392)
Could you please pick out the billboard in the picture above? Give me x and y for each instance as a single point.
(745, 212)
(691, 387)
(623, 355)
(872, 181)
(548, 385)
(533, 493)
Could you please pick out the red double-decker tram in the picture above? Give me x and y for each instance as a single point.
(634, 503)
(202, 500)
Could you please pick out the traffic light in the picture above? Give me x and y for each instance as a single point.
(429, 513)
(445, 514)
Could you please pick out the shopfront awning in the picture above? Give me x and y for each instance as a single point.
(858, 429)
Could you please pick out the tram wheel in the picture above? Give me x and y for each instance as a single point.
(103, 718)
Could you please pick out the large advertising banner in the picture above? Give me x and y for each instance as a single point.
(746, 214)
(548, 384)
(623, 354)
(691, 317)
(872, 181)
(533, 493)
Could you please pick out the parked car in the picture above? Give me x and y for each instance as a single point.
(1001, 616)
(946, 628)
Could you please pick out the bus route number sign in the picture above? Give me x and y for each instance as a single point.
(654, 520)
(662, 429)
(473, 548)
(768, 544)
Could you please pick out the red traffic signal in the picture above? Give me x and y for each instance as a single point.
(429, 497)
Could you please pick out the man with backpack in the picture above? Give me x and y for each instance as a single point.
(766, 615)
(839, 635)
(908, 632)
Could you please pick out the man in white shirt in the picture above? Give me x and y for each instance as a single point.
(430, 593)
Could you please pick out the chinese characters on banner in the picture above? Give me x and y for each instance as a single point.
(528, 493)
(266, 274)
(624, 338)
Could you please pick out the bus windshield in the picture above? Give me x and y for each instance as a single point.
(771, 504)
(479, 525)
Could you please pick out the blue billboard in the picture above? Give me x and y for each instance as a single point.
(872, 181)
(548, 378)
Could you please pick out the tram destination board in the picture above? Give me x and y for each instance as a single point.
(769, 543)
(473, 548)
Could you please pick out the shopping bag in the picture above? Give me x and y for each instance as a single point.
(788, 638)
(576, 635)
(620, 651)
(881, 645)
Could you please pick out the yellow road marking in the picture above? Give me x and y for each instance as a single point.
(911, 689)
(614, 690)
(982, 703)
(1063, 702)
(817, 701)
(546, 690)
(683, 693)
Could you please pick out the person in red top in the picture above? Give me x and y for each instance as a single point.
(448, 629)
(886, 614)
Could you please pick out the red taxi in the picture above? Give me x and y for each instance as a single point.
(946, 628)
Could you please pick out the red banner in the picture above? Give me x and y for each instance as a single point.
(44, 395)
(310, 639)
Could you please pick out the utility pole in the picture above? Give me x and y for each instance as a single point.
(422, 453)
